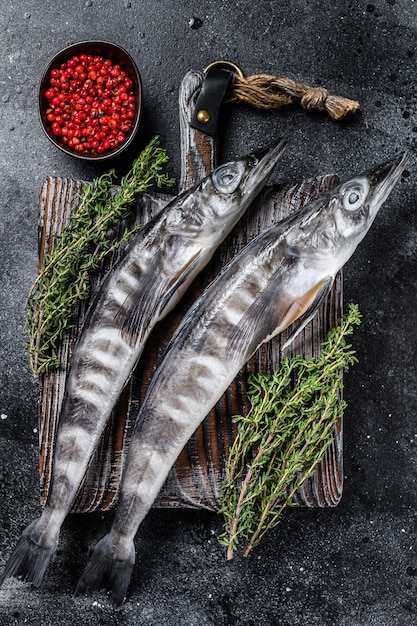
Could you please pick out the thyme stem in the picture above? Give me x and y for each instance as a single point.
(284, 436)
(87, 239)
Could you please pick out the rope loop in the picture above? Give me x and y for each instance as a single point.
(272, 92)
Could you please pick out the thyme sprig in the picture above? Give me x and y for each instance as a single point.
(87, 239)
(284, 436)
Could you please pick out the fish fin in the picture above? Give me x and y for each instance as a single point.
(105, 571)
(148, 299)
(29, 560)
(256, 323)
(308, 306)
(178, 281)
(139, 306)
(266, 317)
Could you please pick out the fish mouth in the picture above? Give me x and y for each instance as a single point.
(266, 159)
(384, 177)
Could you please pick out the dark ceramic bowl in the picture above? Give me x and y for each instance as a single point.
(116, 55)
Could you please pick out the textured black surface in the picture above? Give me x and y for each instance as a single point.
(349, 566)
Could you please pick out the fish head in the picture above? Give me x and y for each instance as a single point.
(240, 181)
(336, 223)
(215, 205)
(359, 199)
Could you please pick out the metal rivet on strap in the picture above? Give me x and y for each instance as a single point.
(203, 116)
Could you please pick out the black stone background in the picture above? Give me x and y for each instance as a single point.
(355, 565)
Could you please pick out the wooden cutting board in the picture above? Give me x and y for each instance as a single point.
(196, 478)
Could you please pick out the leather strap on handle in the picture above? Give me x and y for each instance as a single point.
(206, 113)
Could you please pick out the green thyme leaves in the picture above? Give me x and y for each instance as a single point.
(284, 436)
(85, 241)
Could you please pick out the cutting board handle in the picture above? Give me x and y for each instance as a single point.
(198, 150)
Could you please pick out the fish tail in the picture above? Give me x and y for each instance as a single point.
(29, 559)
(107, 571)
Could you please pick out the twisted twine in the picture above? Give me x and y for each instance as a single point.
(269, 92)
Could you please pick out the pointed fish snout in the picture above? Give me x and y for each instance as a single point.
(383, 177)
(270, 148)
(266, 159)
(268, 156)
(389, 171)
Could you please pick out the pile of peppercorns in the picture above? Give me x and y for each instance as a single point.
(91, 104)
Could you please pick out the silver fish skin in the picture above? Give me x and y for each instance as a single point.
(279, 279)
(140, 290)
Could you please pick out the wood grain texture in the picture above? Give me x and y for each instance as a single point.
(198, 151)
(195, 480)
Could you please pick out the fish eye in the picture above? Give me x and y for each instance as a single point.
(226, 178)
(353, 195)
